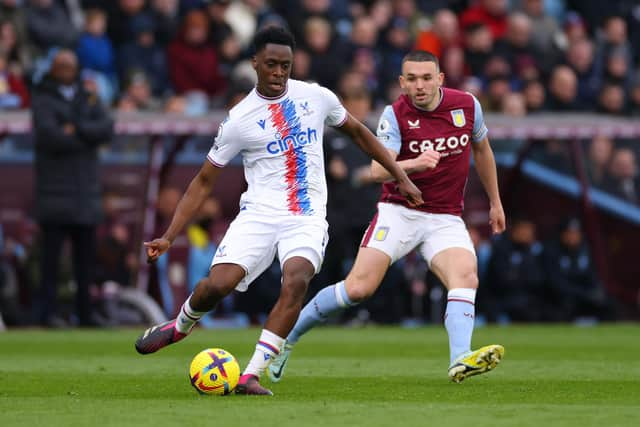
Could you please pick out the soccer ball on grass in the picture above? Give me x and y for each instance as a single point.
(214, 371)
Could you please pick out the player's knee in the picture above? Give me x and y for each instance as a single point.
(468, 280)
(294, 288)
(359, 289)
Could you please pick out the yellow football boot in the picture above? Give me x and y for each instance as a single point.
(476, 362)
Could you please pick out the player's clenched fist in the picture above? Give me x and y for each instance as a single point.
(428, 159)
(156, 247)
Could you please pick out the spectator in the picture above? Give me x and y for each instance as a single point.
(515, 279)
(121, 12)
(94, 47)
(165, 16)
(220, 28)
(498, 87)
(623, 180)
(49, 25)
(444, 33)
(142, 53)
(478, 42)
(407, 10)
(534, 95)
(381, 11)
(15, 47)
(452, 64)
(611, 99)
(201, 247)
(114, 260)
(396, 44)
(618, 68)
(301, 65)
(514, 105)
(193, 62)
(544, 27)
(175, 105)
(598, 159)
(229, 54)
(97, 84)
(13, 91)
(516, 47)
(137, 95)
(364, 34)
(580, 57)
(574, 29)
(14, 11)
(69, 125)
(492, 13)
(473, 85)
(613, 37)
(563, 90)
(324, 51)
(96, 55)
(574, 287)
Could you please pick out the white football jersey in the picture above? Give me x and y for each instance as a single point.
(280, 140)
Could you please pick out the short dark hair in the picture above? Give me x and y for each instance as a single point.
(274, 35)
(421, 56)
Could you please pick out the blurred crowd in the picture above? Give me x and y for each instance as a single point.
(190, 56)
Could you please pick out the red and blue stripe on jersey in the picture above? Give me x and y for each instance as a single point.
(286, 121)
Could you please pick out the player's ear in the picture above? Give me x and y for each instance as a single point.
(401, 81)
(254, 63)
(441, 78)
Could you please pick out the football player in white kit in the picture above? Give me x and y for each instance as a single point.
(277, 128)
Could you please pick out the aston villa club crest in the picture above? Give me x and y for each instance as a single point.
(458, 118)
(381, 234)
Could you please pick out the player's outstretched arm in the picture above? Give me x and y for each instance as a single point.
(198, 190)
(368, 142)
(486, 168)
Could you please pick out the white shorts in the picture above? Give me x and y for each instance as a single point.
(253, 240)
(396, 231)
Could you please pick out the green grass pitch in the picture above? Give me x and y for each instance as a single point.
(550, 376)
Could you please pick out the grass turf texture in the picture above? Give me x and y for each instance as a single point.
(551, 375)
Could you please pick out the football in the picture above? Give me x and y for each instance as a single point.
(214, 371)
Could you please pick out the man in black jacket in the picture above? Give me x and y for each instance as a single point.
(573, 285)
(69, 124)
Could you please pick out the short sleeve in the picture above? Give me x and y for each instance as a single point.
(388, 131)
(225, 146)
(336, 113)
(480, 130)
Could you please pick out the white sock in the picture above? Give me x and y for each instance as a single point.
(268, 347)
(459, 319)
(187, 317)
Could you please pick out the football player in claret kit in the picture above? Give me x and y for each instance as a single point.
(277, 128)
(427, 120)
